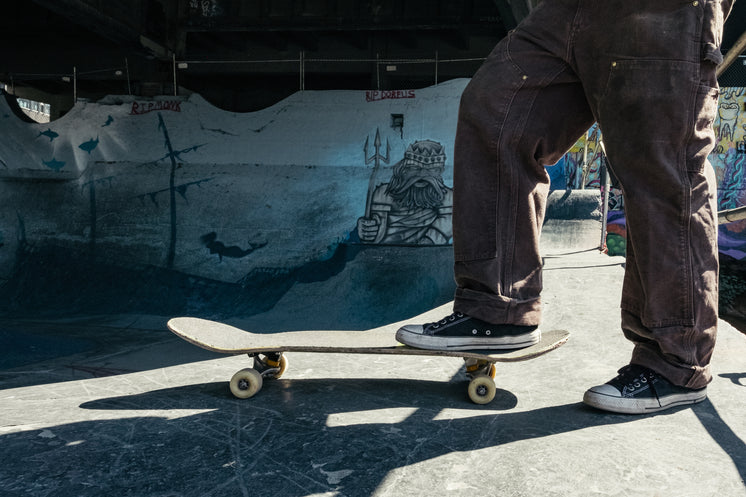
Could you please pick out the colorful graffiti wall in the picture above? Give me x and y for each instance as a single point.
(581, 166)
(729, 161)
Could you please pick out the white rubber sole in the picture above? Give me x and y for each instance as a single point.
(597, 397)
(412, 335)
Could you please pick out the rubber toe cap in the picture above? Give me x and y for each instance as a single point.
(606, 390)
(415, 329)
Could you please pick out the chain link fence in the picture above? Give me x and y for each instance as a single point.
(735, 75)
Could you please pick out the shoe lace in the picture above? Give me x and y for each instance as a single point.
(448, 319)
(633, 377)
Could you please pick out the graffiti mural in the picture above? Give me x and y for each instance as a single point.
(246, 210)
(583, 164)
(415, 207)
(583, 161)
(175, 206)
(729, 161)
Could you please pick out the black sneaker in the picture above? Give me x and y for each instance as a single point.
(461, 332)
(639, 390)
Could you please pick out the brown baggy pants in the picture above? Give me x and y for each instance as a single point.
(645, 70)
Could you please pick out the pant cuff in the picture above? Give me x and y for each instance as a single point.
(684, 376)
(496, 309)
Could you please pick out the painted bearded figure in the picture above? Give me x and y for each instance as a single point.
(416, 206)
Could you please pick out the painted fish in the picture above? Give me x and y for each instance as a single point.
(89, 146)
(54, 164)
(49, 134)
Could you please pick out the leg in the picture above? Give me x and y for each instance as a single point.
(656, 102)
(522, 110)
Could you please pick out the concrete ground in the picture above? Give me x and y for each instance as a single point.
(121, 407)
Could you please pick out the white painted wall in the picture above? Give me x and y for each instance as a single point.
(292, 176)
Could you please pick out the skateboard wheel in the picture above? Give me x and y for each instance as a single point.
(482, 389)
(246, 383)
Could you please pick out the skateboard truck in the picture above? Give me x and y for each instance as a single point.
(270, 365)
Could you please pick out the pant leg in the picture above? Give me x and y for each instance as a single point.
(521, 111)
(655, 95)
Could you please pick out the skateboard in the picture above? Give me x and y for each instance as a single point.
(268, 349)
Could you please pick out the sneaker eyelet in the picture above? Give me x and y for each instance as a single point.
(474, 332)
(488, 332)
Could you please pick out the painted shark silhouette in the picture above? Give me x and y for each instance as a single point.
(54, 164)
(89, 146)
(49, 134)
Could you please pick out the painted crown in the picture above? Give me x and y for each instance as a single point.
(426, 152)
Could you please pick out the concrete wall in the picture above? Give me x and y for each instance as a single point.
(145, 181)
(244, 204)
(170, 206)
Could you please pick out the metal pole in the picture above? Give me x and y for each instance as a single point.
(302, 70)
(732, 54)
(127, 70)
(606, 185)
(173, 59)
(378, 73)
(730, 215)
(581, 186)
(436, 68)
(75, 85)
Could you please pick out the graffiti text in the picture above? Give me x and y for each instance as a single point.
(145, 107)
(375, 95)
